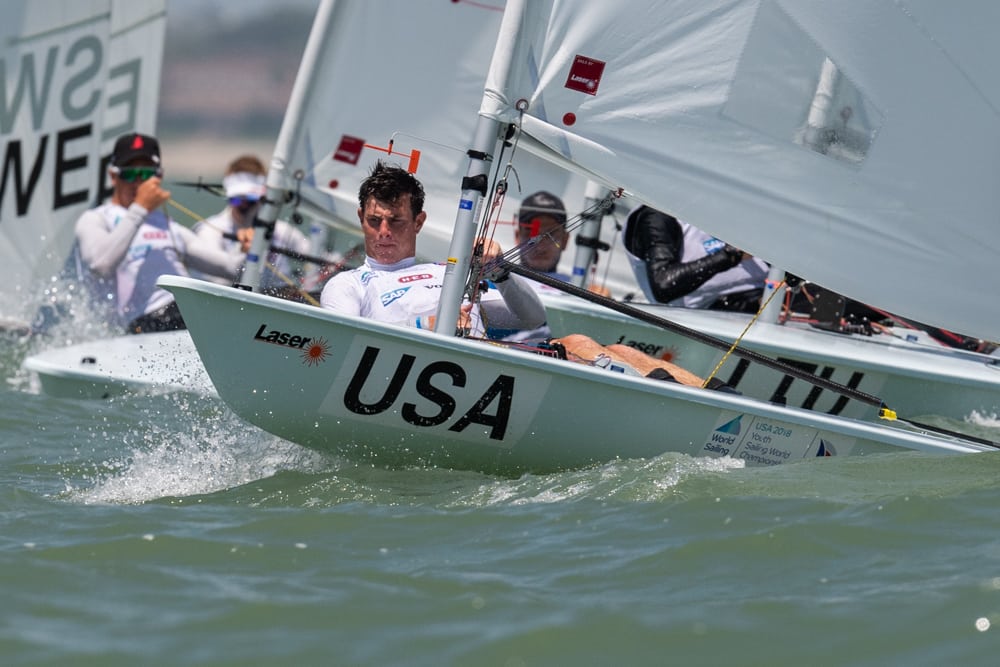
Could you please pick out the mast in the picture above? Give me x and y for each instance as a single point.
(474, 187)
(277, 179)
(588, 240)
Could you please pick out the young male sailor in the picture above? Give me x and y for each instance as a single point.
(390, 286)
(131, 239)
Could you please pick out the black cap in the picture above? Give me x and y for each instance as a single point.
(133, 146)
(541, 203)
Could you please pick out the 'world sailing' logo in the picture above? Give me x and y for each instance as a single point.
(724, 438)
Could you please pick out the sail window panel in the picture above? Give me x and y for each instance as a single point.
(786, 88)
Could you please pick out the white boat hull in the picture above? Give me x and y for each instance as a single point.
(108, 367)
(402, 396)
(913, 378)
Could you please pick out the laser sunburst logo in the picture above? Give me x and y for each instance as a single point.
(316, 352)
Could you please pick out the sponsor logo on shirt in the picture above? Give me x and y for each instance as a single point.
(366, 277)
(415, 277)
(712, 246)
(395, 294)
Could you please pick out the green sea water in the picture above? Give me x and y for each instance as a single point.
(163, 530)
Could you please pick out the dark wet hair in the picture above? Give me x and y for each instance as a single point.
(388, 183)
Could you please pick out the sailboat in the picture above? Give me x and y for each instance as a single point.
(334, 144)
(400, 396)
(75, 77)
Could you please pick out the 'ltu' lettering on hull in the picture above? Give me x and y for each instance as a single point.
(492, 409)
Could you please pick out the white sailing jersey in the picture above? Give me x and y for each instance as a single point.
(407, 294)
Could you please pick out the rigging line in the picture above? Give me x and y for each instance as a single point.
(572, 224)
(753, 320)
(291, 283)
(527, 247)
(495, 193)
(649, 318)
(232, 237)
(948, 432)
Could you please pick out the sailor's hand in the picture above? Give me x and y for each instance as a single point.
(245, 237)
(464, 320)
(735, 254)
(491, 250)
(151, 195)
(600, 290)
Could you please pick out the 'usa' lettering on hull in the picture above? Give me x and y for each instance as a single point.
(492, 409)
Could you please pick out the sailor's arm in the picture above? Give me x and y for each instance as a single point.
(522, 301)
(206, 257)
(103, 250)
(659, 242)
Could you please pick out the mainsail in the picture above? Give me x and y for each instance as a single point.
(73, 76)
(369, 86)
(703, 109)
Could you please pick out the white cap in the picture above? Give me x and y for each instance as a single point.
(244, 184)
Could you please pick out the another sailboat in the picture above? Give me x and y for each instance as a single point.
(402, 396)
(335, 144)
(76, 75)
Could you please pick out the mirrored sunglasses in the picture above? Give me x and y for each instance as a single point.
(244, 202)
(133, 174)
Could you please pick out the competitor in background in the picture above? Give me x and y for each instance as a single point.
(541, 231)
(680, 265)
(231, 229)
(132, 240)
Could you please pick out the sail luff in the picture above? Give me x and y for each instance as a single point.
(279, 180)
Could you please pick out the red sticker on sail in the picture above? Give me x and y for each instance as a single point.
(585, 75)
(349, 149)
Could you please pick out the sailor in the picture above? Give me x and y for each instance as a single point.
(541, 233)
(390, 286)
(231, 229)
(130, 239)
(680, 265)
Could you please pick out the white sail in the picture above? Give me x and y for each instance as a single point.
(702, 109)
(73, 76)
(409, 72)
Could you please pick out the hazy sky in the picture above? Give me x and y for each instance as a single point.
(227, 10)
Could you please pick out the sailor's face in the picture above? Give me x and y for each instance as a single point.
(551, 238)
(390, 229)
(129, 178)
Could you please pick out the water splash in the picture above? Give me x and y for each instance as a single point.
(981, 419)
(208, 453)
(632, 480)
